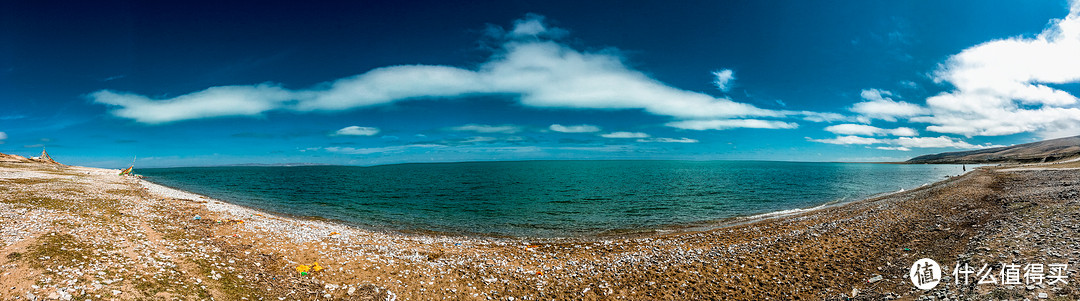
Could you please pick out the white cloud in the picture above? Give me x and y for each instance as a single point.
(625, 135)
(879, 105)
(357, 131)
(820, 116)
(903, 131)
(539, 71)
(845, 140)
(866, 130)
(3, 136)
(669, 140)
(487, 129)
(429, 148)
(723, 124)
(904, 143)
(583, 128)
(212, 102)
(605, 148)
(534, 25)
(479, 139)
(1006, 86)
(934, 142)
(724, 79)
(897, 148)
(372, 150)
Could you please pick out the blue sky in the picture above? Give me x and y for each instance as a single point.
(189, 83)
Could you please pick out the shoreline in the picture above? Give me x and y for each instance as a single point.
(740, 220)
(146, 244)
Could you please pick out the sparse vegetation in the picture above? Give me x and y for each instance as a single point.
(58, 249)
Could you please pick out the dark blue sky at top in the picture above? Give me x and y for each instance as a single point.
(791, 55)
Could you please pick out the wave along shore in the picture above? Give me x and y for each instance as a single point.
(85, 233)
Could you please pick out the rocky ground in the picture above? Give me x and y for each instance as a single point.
(73, 233)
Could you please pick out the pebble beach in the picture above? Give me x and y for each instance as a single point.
(77, 233)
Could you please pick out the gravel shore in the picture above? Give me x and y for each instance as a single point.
(75, 233)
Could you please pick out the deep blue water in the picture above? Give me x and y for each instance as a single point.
(545, 198)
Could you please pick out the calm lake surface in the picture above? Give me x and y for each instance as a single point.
(545, 198)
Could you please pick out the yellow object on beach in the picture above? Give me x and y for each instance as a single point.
(306, 269)
(303, 268)
(127, 171)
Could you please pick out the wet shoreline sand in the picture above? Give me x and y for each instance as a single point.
(88, 234)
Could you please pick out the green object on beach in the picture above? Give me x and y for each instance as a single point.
(907, 249)
(303, 273)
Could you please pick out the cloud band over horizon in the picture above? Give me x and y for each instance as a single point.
(530, 65)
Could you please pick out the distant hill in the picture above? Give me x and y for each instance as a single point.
(12, 158)
(1042, 151)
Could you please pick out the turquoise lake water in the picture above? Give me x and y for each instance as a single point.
(545, 198)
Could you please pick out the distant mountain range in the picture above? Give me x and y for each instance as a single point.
(1035, 152)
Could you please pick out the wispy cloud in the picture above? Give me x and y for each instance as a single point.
(725, 79)
(488, 129)
(112, 78)
(466, 149)
(723, 124)
(213, 102)
(821, 116)
(3, 136)
(878, 104)
(903, 142)
(936, 142)
(625, 135)
(583, 128)
(847, 140)
(530, 64)
(479, 139)
(866, 130)
(669, 140)
(357, 131)
(373, 150)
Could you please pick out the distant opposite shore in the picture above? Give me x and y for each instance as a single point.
(1047, 151)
